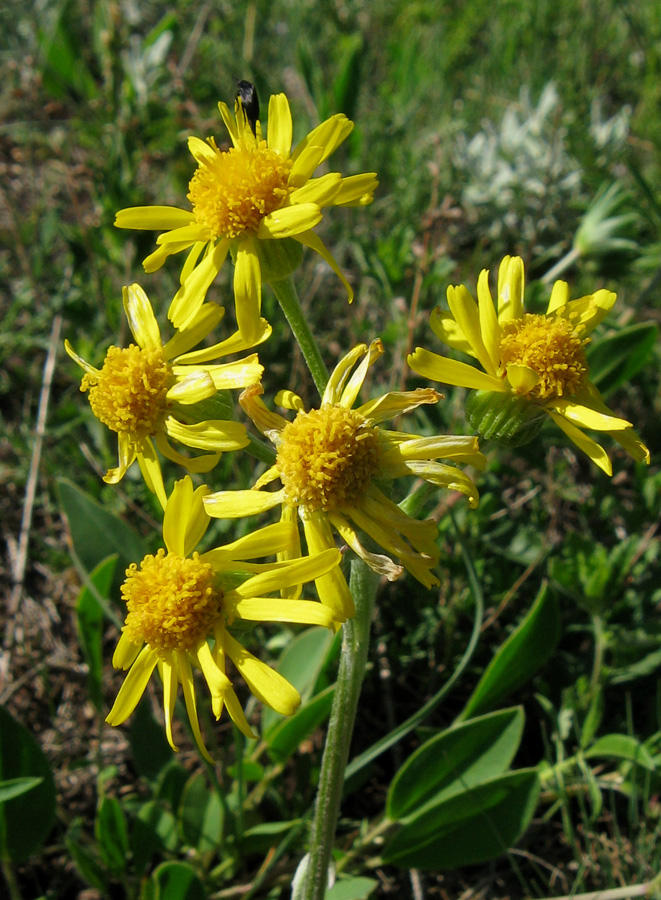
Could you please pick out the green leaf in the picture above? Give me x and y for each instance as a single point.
(624, 747)
(455, 760)
(614, 360)
(285, 738)
(177, 881)
(89, 620)
(260, 838)
(112, 834)
(471, 827)
(95, 532)
(522, 654)
(25, 820)
(154, 831)
(84, 859)
(352, 889)
(14, 787)
(300, 664)
(201, 815)
(149, 746)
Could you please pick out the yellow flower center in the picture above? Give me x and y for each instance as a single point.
(128, 394)
(232, 192)
(327, 457)
(551, 348)
(172, 601)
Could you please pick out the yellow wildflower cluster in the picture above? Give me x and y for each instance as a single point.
(334, 463)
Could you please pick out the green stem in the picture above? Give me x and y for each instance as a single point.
(287, 297)
(599, 648)
(355, 644)
(567, 260)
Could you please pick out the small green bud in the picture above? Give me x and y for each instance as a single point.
(278, 259)
(503, 417)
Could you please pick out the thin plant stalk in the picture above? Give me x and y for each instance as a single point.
(355, 645)
(287, 297)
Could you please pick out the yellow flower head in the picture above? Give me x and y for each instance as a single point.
(177, 599)
(330, 461)
(142, 391)
(533, 365)
(258, 190)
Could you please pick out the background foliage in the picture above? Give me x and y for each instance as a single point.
(493, 128)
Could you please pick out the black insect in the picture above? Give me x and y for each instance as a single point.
(247, 96)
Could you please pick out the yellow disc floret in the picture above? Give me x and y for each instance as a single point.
(231, 192)
(172, 601)
(327, 457)
(128, 394)
(551, 347)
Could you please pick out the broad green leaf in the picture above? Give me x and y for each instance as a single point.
(260, 838)
(352, 889)
(522, 654)
(112, 834)
(84, 859)
(201, 815)
(177, 881)
(300, 664)
(454, 761)
(149, 746)
(95, 532)
(14, 787)
(154, 831)
(25, 820)
(90, 622)
(624, 747)
(615, 359)
(285, 738)
(471, 827)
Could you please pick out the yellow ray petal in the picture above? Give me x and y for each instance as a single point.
(151, 470)
(632, 444)
(467, 316)
(448, 477)
(445, 328)
(587, 312)
(265, 683)
(511, 285)
(289, 400)
(141, 318)
(314, 242)
(596, 453)
(155, 260)
(304, 164)
(585, 416)
(127, 453)
(177, 513)
(395, 403)
(355, 382)
(170, 682)
(236, 504)
(195, 464)
(296, 571)
(289, 221)
(230, 122)
(215, 434)
(239, 374)
(280, 127)
(237, 715)
(489, 327)
(201, 150)
(340, 375)
(320, 191)
(126, 652)
(133, 687)
(188, 234)
(327, 136)
(559, 296)
(153, 218)
(268, 422)
(189, 298)
(192, 387)
(216, 679)
(233, 344)
(274, 609)
(188, 685)
(356, 190)
(449, 371)
(382, 565)
(522, 379)
(332, 588)
(196, 329)
(263, 542)
(85, 366)
(248, 289)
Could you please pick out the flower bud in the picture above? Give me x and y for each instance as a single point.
(504, 417)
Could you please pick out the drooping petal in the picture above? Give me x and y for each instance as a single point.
(280, 128)
(264, 682)
(188, 685)
(190, 296)
(194, 464)
(585, 416)
(236, 504)
(150, 467)
(127, 453)
(153, 218)
(155, 260)
(596, 453)
(289, 400)
(215, 434)
(449, 371)
(396, 403)
(449, 477)
(126, 652)
(170, 682)
(133, 687)
(378, 562)
(332, 588)
(248, 289)
(632, 444)
(268, 422)
(141, 318)
(216, 679)
(237, 714)
(314, 242)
